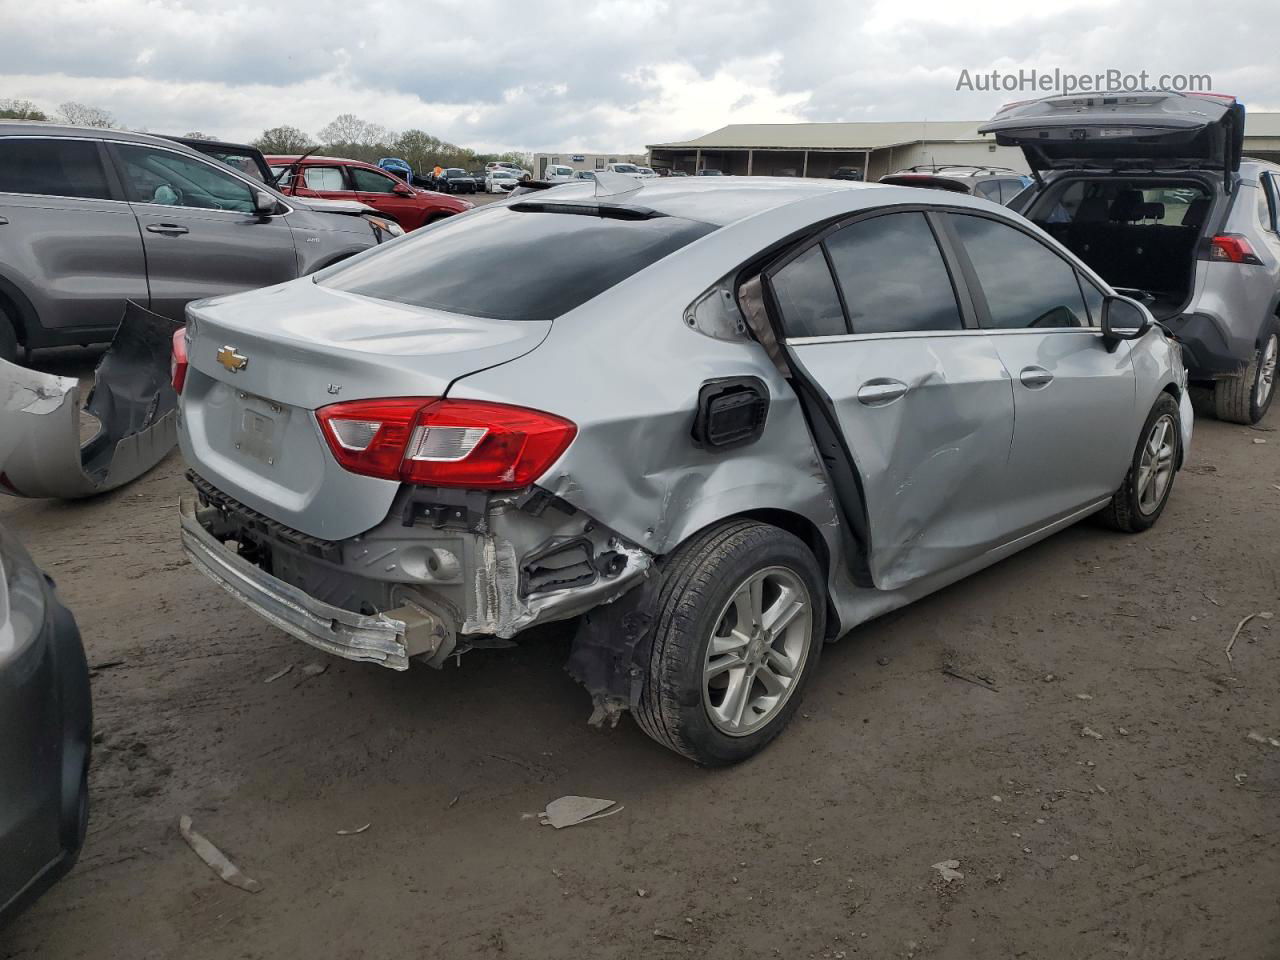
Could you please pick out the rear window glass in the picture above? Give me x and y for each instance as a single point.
(494, 264)
(54, 167)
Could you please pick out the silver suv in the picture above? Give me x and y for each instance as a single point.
(1150, 190)
(997, 184)
(732, 418)
(90, 219)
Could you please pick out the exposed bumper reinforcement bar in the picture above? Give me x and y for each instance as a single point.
(379, 639)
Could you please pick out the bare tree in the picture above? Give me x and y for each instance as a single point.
(13, 109)
(348, 129)
(284, 139)
(82, 115)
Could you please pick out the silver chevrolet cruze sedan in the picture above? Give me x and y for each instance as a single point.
(728, 421)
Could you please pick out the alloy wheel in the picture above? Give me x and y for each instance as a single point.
(1267, 371)
(1155, 467)
(757, 651)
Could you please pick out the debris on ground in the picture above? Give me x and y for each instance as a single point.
(454, 802)
(663, 935)
(569, 811)
(215, 858)
(1261, 615)
(947, 869)
(1256, 737)
(313, 670)
(1090, 732)
(1084, 696)
(352, 833)
(282, 672)
(1073, 858)
(883, 661)
(1259, 439)
(642, 892)
(976, 679)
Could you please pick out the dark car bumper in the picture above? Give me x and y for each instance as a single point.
(47, 709)
(1205, 347)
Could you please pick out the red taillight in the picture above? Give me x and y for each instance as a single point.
(445, 443)
(1233, 248)
(178, 361)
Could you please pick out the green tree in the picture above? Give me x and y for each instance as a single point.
(284, 140)
(82, 115)
(13, 109)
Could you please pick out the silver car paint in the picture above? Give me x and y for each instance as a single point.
(41, 454)
(632, 470)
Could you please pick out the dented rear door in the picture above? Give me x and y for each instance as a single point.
(920, 398)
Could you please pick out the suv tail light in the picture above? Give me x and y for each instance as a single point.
(445, 443)
(178, 360)
(1233, 248)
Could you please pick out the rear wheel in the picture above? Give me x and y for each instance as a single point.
(740, 624)
(1141, 499)
(1245, 397)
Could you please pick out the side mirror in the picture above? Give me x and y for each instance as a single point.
(1124, 319)
(402, 190)
(264, 204)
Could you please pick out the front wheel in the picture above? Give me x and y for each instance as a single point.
(1244, 397)
(1141, 499)
(740, 623)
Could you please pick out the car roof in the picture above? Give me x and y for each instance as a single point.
(28, 128)
(723, 201)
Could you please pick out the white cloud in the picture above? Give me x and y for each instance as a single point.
(608, 74)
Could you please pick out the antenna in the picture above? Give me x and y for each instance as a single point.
(610, 184)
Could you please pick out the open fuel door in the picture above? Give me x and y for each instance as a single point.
(1122, 131)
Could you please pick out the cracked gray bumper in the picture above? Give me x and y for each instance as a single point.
(376, 639)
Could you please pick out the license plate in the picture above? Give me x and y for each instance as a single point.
(259, 431)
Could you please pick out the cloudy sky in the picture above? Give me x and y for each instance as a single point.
(607, 75)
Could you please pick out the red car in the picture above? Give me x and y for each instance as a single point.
(333, 178)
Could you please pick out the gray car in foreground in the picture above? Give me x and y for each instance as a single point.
(91, 219)
(729, 420)
(1150, 190)
(45, 732)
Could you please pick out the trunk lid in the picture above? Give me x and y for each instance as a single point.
(262, 362)
(1120, 131)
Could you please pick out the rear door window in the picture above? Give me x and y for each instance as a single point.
(892, 275)
(52, 167)
(369, 181)
(807, 297)
(324, 178)
(480, 264)
(1025, 283)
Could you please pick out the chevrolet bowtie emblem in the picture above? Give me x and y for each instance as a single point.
(233, 361)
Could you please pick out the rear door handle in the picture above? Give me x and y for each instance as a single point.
(3, 221)
(1035, 377)
(882, 390)
(174, 228)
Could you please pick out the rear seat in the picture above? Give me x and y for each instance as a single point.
(1150, 256)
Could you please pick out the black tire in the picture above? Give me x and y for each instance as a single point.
(1235, 398)
(1126, 512)
(8, 338)
(699, 579)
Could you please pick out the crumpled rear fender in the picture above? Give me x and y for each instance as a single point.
(40, 450)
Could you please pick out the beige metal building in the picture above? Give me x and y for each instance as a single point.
(818, 149)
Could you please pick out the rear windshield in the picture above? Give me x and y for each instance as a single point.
(494, 263)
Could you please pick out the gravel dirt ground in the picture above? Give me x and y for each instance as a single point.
(1159, 838)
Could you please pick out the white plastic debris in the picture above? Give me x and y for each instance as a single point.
(283, 671)
(947, 869)
(1090, 732)
(1084, 696)
(1259, 738)
(215, 858)
(569, 811)
(352, 833)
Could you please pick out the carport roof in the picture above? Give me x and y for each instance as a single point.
(864, 135)
(873, 135)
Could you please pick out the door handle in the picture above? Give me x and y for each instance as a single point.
(3, 221)
(878, 392)
(1035, 377)
(174, 228)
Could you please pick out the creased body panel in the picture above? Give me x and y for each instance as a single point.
(933, 461)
